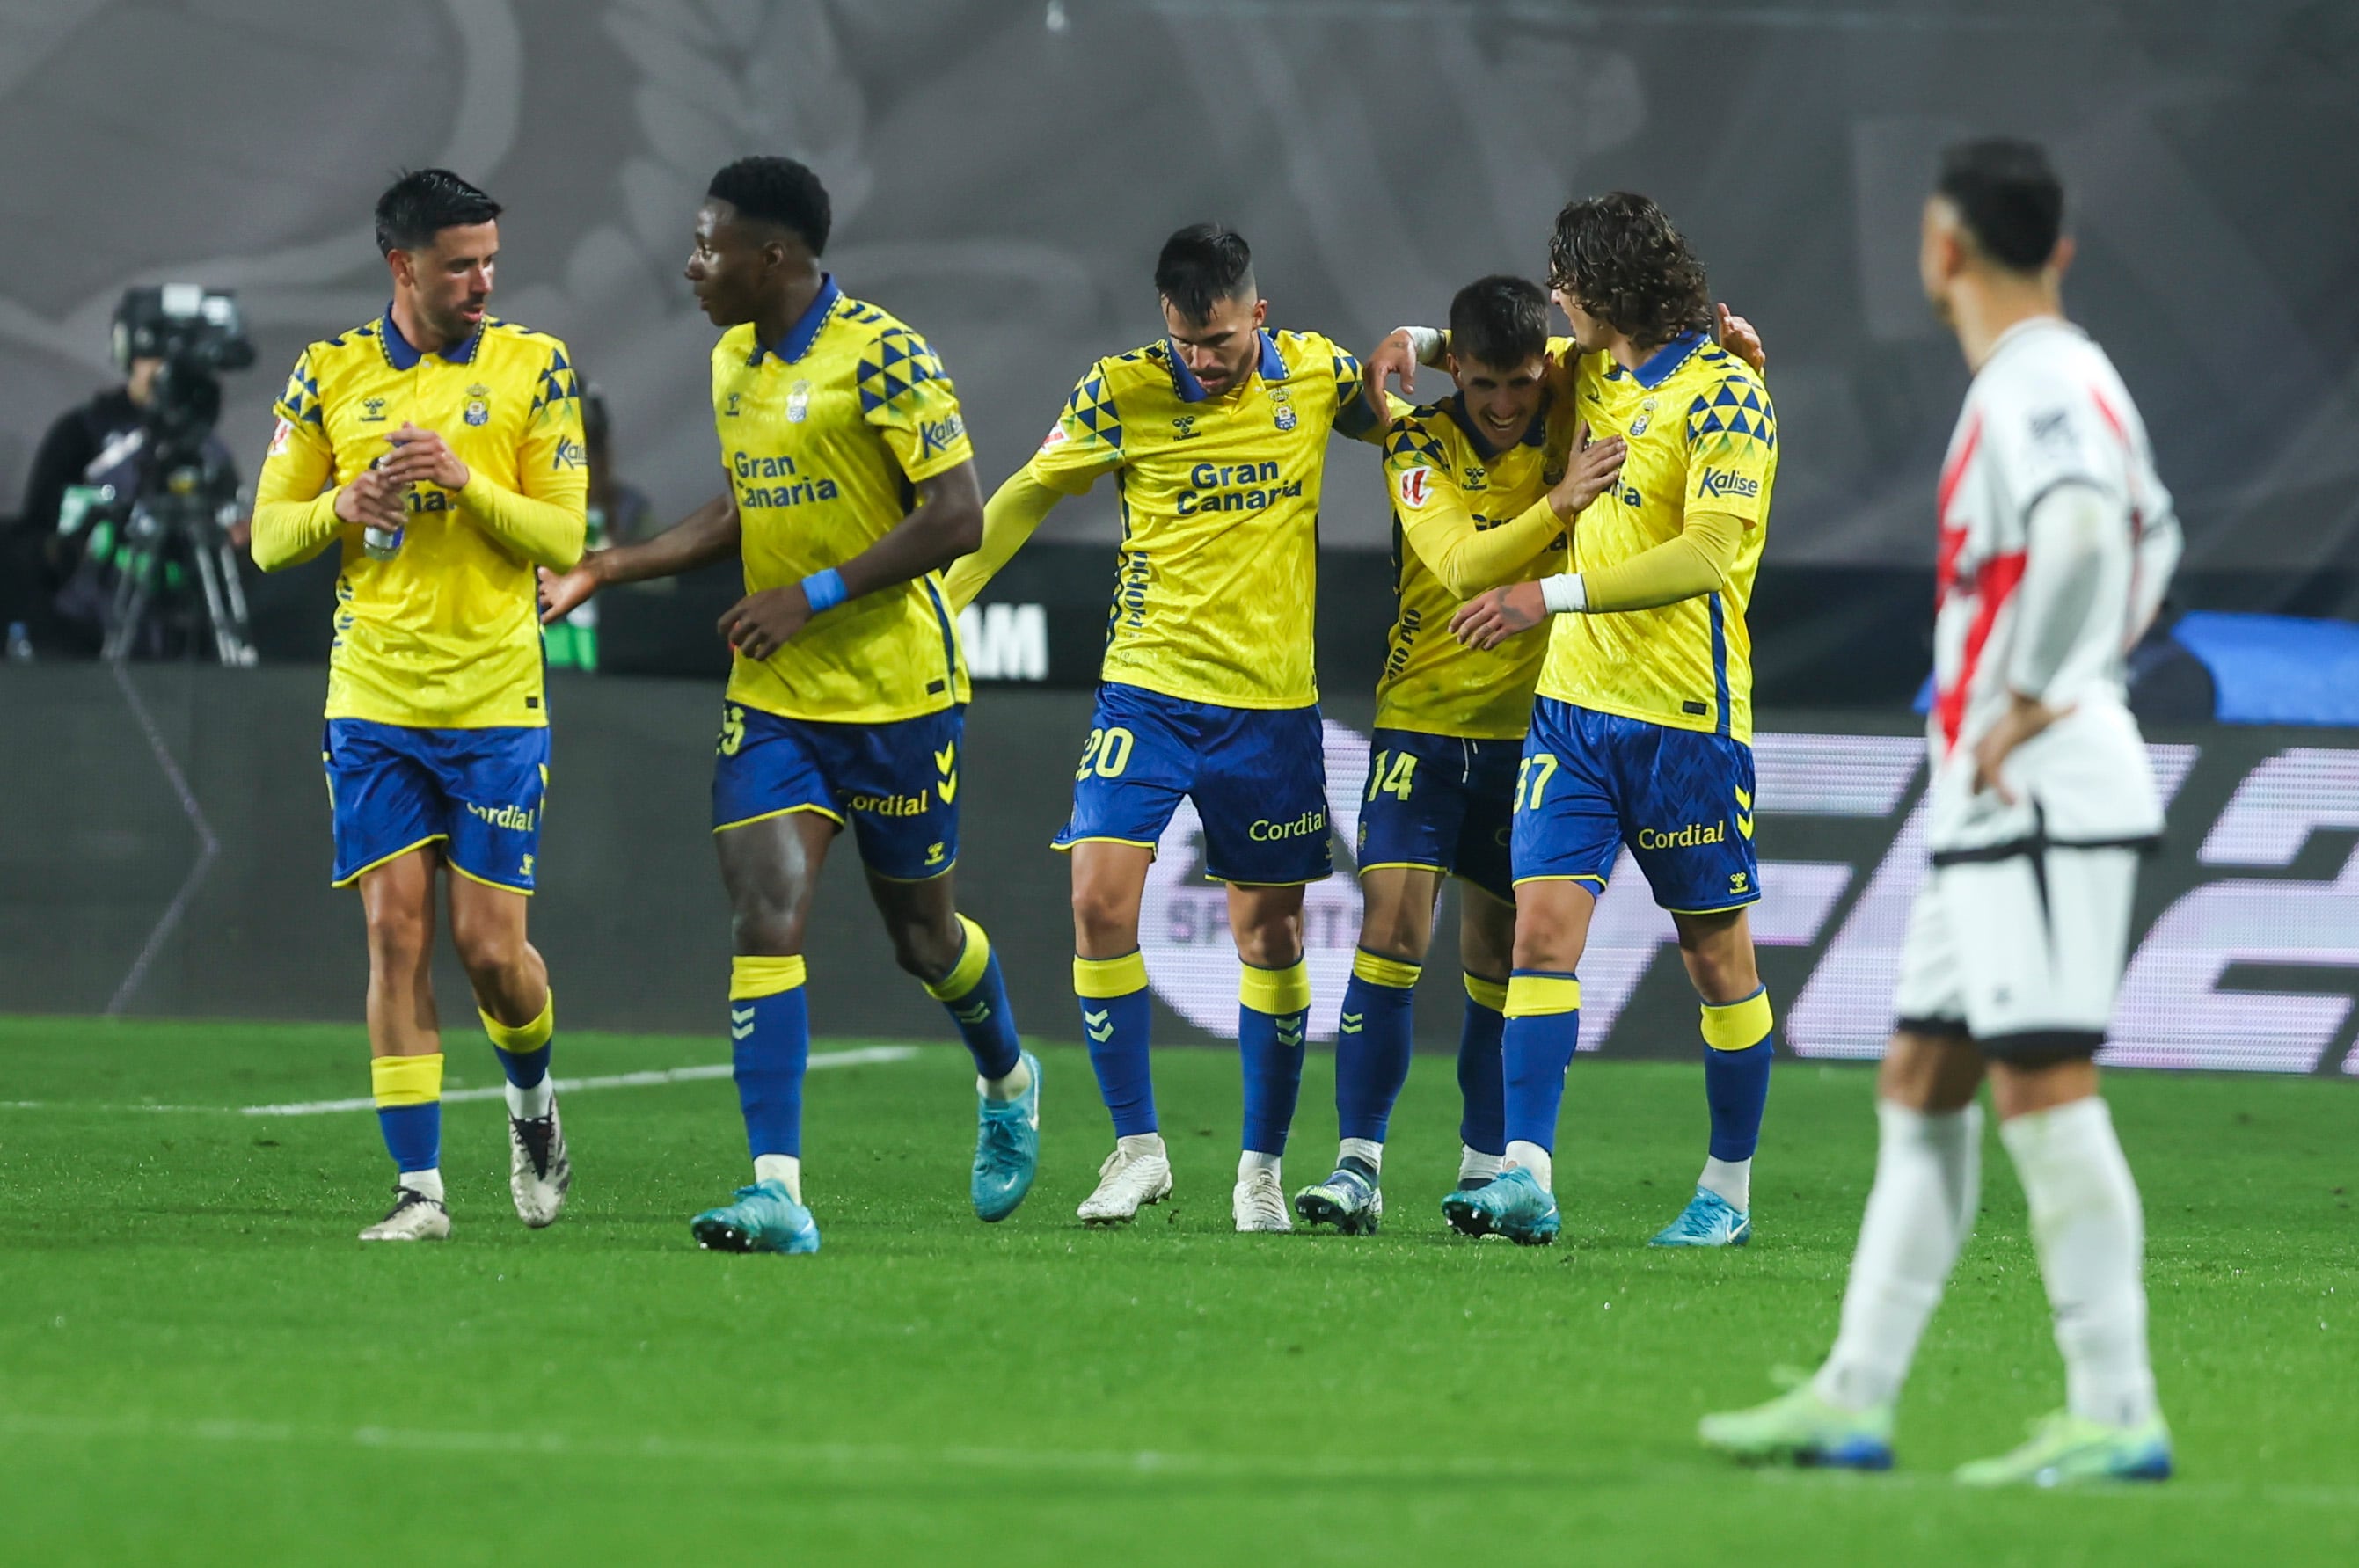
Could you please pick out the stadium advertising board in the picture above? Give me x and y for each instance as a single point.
(2244, 958)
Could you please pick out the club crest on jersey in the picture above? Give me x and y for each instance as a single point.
(1638, 426)
(372, 410)
(1415, 486)
(798, 402)
(1283, 418)
(478, 412)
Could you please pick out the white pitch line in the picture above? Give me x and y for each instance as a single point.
(1137, 1463)
(860, 1056)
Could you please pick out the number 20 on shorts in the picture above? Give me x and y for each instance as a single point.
(1106, 755)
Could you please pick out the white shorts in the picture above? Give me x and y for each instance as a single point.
(2021, 947)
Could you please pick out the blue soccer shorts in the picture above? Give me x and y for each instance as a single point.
(1440, 803)
(393, 788)
(895, 783)
(1258, 777)
(1680, 799)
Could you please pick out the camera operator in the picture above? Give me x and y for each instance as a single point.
(67, 546)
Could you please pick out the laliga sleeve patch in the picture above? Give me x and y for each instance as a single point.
(279, 435)
(1415, 486)
(1056, 436)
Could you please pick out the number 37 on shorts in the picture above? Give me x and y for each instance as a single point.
(1680, 801)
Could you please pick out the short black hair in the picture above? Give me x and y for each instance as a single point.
(780, 191)
(1620, 257)
(1202, 264)
(422, 203)
(1499, 320)
(2007, 195)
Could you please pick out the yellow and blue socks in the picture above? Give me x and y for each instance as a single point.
(1482, 1081)
(524, 1051)
(1273, 1016)
(408, 1091)
(1738, 1051)
(974, 993)
(769, 1031)
(1372, 1041)
(1541, 1034)
(1114, 1021)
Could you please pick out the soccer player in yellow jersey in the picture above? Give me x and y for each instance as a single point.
(439, 450)
(1484, 485)
(1216, 436)
(850, 484)
(1642, 732)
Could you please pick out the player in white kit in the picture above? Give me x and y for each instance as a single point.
(2057, 540)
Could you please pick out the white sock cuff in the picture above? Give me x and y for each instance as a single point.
(1366, 1149)
(2032, 1135)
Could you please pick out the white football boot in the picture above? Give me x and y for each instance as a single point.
(539, 1170)
(413, 1218)
(1258, 1204)
(1125, 1182)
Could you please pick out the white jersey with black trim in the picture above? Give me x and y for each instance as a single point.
(2046, 410)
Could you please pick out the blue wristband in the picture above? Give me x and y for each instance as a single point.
(824, 589)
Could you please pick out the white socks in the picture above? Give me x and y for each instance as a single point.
(1141, 1144)
(1474, 1165)
(1928, 1182)
(786, 1169)
(1523, 1156)
(1732, 1179)
(428, 1181)
(532, 1104)
(2090, 1235)
(1012, 1087)
(1249, 1162)
(1367, 1149)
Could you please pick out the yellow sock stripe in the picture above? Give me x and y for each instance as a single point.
(519, 1039)
(1095, 980)
(968, 971)
(406, 1080)
(1276, 991)
(1739, 1026)
(750, 979)
(1379, 970)
(1532, 996)
(1486, 993)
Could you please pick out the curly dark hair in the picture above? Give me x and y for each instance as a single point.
(1620, 257)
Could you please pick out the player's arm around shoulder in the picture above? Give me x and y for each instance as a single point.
(298, 511)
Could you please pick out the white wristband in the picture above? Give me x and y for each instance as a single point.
(1426, 343)
(1564, 594)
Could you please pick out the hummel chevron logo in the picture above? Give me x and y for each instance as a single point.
(1351, 1023)
(741, 1022)
(1744, 811)
(1289, 1031)
(975, 1013)
(1099, 1025)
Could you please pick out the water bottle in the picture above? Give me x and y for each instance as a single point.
(382, 544)
(20, 643)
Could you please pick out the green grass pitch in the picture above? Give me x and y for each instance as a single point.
(199, 1364)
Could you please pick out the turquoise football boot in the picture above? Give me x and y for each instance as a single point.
(1513, 1206)
(1709, 1220)
(1006, 1149)
(1798, 1427)
(765, 1218)
(2065, 1449)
